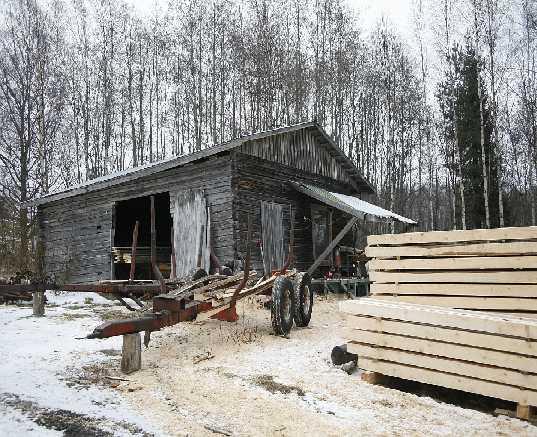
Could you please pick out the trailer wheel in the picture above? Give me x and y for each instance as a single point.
(283, 304)
(303, 299)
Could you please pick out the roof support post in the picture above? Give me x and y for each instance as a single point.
(332, 244)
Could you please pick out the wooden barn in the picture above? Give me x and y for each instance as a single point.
(202, 202)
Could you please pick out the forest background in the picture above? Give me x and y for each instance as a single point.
(444, 124)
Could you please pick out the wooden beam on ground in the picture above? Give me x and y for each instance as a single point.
(468, 263)
(464, 368)
(449, 380)
(524, 412)
(447, 350)
(447, 317)
(476, 249)
(332, 245)
(439, 237)
(436, 333)
(483, 277)
(467, 302)
(498, 290)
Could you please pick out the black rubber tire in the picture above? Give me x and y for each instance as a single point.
(340, 355)
(283, 305)
(303, 299)
(198, 274)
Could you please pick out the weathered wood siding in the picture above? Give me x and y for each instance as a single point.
(299, 149)
(255, 180)
(76, 231)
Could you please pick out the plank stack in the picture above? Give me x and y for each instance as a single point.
(476, 352)
(482, 269)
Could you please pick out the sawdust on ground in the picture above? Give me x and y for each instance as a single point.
(218, 378)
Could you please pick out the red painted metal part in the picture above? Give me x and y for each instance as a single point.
(166, 312)
(227, 314)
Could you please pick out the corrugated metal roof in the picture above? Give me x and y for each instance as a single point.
(350, 204)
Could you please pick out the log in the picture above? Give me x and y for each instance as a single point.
(131, 353)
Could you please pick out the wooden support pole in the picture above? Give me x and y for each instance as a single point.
(131, 354)
(38, 304)
(333, 244)
(133, 250)
(153, 234)
(154, 266)
(291, 236)
(200, 246)
(173, 272)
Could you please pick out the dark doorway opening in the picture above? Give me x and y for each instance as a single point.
(139, 209)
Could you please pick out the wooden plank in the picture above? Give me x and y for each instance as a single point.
(458, 367)
(436, 333)
(438, 316)
(515, 233)
(479, 249)
(519, 314)
(447, 350)
(483, 277)
(498, 290)
(457, 382)
(467, 263)
(467, 302)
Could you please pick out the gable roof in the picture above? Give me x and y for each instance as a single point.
(360, 184)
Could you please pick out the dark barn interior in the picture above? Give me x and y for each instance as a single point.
(127, 212)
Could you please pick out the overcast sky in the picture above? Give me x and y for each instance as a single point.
(399, 12)
(368, 11)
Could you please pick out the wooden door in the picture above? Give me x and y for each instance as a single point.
(321, 228)
(272, 229)
(191, 228)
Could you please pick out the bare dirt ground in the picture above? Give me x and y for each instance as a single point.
(258, 384)
(210, 378)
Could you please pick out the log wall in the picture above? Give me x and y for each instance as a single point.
(76, 231)
(256, 179)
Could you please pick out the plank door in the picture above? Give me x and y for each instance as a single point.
(272, 229)
(321, 228)
(191, 228)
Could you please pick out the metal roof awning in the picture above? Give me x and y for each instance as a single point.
(350, 204)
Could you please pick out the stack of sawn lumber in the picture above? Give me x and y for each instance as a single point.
(472, 351)
(481, 269)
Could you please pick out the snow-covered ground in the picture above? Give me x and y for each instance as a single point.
(253, 383)
(43, 366)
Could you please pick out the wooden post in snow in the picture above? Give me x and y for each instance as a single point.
(38, 303)
(131, 354)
